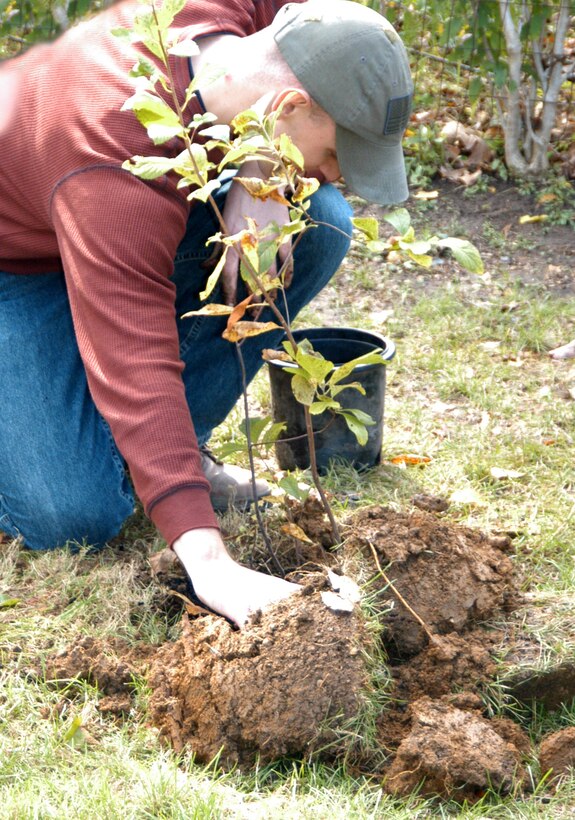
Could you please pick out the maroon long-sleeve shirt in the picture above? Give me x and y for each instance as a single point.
(65, 203)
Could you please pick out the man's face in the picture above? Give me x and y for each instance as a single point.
(314, 134)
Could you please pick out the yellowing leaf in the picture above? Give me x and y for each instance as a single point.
(238, 312)
(242, 330)
(410, 458)
(209, 310)
(270, 355)
(426, 195)
(6, 600)
(296, 532)
(306, 186)
(526, 219)
(262, 189)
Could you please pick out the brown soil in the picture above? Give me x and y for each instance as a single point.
(288, 680)
(282, 685)
(293, 678)
(110, 665)
(451, 575)
(454, 753)
(557, 753)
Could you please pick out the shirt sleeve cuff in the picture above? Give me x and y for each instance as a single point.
(188, 508)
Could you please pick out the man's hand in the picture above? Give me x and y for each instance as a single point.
(224, 585)
(240, 205)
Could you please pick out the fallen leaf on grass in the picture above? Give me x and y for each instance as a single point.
(460, 175)
(500, 473)
(77, 736)
(489, 346)
(467, 496)
(526, 219)
(296, 532)
(410, 458)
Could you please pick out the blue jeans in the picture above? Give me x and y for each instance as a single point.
(62, 477)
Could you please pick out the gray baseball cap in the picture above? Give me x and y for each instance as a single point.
(355, 66)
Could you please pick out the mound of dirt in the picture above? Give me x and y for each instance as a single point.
(282, 685)
(452, 662)
(94, 661)
(455, 753)
(557, 753)
(110, 665)
(452, 576)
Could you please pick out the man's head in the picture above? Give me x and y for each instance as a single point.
(354, 65)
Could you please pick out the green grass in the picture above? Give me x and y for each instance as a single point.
(471, 389)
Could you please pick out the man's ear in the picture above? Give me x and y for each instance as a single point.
(289, 100)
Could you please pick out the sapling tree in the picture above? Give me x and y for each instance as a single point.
(252, 138)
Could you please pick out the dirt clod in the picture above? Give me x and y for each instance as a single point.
(279, 686)
(93, 661)
(453, 753)
(452, 576)
(557, 753)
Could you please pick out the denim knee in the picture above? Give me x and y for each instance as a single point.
(332, 213)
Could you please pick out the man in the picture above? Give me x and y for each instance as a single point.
(100, 375)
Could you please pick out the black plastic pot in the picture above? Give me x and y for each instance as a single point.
(334, 441)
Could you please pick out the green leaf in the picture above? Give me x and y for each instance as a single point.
(290, 485)
(7, 600)
(256, 426)
(368, 226)
(335, 389)
(219, 131)
(122, 33)
(424, 260)
(400, 220)
(465, 253)
(143, 68)
(322, 404)
(75, 725)
(289, 150)
(314, 364)
(417, 247)
(149, 167)
(302, 389)
(205, 191)
(360, 415)
(214, 275)
(184, 48)
(356, 427)
(167, 11)
(342, 372)
(155, 115)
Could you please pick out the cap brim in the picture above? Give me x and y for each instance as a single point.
(374, 170)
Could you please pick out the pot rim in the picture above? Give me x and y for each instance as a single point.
(323, 331)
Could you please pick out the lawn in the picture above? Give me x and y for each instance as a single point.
(477, 414)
